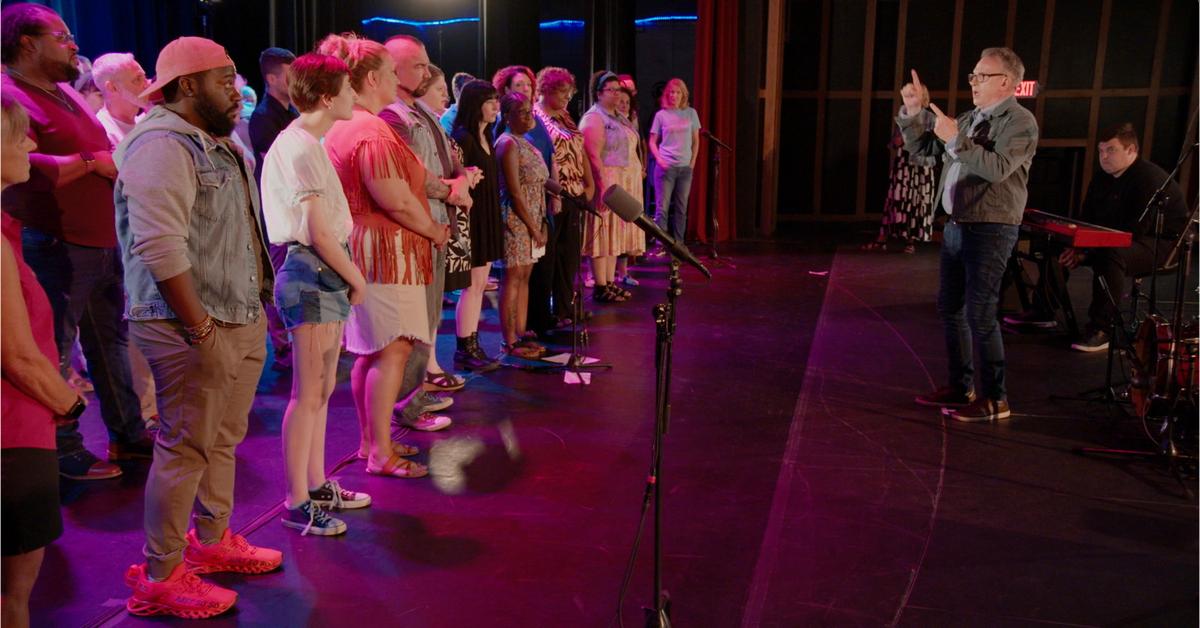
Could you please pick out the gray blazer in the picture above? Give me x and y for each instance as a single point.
(994, 172)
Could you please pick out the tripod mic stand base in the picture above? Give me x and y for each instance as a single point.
(659, 617)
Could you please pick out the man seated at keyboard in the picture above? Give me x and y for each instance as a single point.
(1116, 198)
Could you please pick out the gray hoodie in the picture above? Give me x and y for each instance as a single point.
(185, 203)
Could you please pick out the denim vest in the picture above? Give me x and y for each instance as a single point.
(618, 132)
(220, 237)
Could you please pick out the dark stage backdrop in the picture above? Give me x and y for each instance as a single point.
(1098, 62)
(461, 35)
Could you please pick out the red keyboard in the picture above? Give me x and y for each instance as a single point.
(1075, 233)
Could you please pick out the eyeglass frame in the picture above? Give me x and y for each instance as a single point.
(973, 77)
(62, 37)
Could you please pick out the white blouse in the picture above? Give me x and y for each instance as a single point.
(295, 168)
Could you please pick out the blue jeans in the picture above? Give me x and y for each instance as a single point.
(974, 258)
(672, 186)
(86, 289)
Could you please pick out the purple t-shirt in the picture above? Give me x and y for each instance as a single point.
(674, 128)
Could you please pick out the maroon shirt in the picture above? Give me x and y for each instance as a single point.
(24, 422)
(80, 212)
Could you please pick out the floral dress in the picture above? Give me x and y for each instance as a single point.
(532, 173)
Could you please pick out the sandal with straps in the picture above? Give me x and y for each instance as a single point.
(520, 350)
(532, 345)
(398, 448)
(398, 467)
(613, 294)
(443, 382)
(874, 245)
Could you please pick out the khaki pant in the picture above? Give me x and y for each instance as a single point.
(204, 398)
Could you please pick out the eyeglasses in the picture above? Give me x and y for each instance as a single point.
(62, 37)
(976, 79)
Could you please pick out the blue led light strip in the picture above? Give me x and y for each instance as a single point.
(647, 21)
(544, 25)
(561, 24)
(416, 24)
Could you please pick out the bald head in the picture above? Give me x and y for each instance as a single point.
(412, 63)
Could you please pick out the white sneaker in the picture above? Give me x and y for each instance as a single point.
(429, 422)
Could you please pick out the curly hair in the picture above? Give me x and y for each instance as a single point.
(503, 78)
(551, 78)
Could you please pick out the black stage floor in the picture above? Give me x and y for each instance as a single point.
(802, 487)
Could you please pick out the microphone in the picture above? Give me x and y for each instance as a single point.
(630, 210)
(557, 191)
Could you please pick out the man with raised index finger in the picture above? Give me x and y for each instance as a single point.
(986, 153)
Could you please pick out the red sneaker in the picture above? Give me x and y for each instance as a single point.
(183, 594)
(232, 553)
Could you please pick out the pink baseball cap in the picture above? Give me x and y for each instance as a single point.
(183, 56)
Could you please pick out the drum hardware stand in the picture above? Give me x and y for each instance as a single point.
(1175, 407)
(1118, 343)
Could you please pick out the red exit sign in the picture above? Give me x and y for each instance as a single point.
(1027, 89)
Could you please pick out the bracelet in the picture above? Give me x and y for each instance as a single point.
(196, 335)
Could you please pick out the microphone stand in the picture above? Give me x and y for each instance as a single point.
(579, 338)
(714, 174)
(664, 324)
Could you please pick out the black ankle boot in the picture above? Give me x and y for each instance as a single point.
(469, 356)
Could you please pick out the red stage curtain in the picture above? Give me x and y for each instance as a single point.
(714, 96)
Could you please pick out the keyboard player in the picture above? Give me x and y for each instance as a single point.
(1116, 198)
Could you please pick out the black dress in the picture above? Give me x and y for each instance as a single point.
(487, 228)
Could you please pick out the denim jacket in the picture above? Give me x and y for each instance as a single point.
(618, 133)
(994, 172)
(181, 201)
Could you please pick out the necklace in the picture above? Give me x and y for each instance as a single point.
(56, 94)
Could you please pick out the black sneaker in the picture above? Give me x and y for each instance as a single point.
(310, 519)
(1031, 319)
(946, 397)
(1095, 341)
(332, 495)
(84, 465)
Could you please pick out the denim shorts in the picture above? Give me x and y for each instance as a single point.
(307, 290)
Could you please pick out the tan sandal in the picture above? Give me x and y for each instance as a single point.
(397, 467)
(398, 448)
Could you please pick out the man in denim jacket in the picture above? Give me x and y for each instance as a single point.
(197, 273)
(986, 154)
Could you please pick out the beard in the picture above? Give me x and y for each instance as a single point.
(60, 71)
(216, 119)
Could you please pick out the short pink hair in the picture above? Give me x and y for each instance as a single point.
(675, 82)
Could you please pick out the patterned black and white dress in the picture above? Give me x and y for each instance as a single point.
(908, 208)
